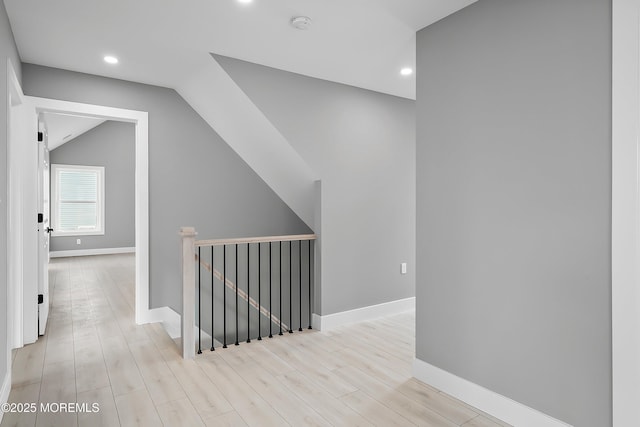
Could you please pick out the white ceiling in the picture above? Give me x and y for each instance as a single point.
(62, 128)
(362, 43)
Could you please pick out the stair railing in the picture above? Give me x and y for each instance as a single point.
(200, 275)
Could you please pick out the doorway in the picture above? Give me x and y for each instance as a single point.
(92, 191)
(140, 120)
(23, 206)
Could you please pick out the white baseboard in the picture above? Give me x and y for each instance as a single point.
(171, 321)
(89, 252)
(332, 321)
(492, 403)
(155, 315)
(167, 316)
(5, 390)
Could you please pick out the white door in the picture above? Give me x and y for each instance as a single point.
(43, 230)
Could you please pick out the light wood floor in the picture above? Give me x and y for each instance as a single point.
(93, 352)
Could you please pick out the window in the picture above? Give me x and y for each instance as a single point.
(77, 193)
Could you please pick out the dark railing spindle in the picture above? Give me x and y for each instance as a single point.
(309, 241)
(249, 293)
(213, 281)
(300, 282)
(290, 291)
(270, 305)
(236, 277)
(224, 292)
(280, 289)
(259, 294)
(199, 305)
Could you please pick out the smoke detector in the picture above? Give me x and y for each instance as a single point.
(301, 22)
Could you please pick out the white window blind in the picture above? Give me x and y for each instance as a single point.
(78, 200)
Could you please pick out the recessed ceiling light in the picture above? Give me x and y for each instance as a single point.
(110, 59)
(406, 71)
(245, 1)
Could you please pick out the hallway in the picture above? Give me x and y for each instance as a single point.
(94, 353)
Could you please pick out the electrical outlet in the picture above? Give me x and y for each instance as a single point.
(78, 241)
(403, 268)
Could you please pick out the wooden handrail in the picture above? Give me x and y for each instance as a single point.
(242, 240)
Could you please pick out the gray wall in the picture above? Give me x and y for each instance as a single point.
(7, 50)
(112, 145)
(362, 145)
(195, 179)
(514, 202)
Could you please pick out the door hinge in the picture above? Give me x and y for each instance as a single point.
(40, 218)
(40, 298)
(40, 137)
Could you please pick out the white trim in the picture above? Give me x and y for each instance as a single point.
(13, 206)
(332, 321)
(495, 404)
(90, 252)
(172, 324)
(171, 321)
(625, 237)
(5, 389)
(27, 163)
(141, 120)
(13, 83)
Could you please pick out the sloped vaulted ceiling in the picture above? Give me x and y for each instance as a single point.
(362, 43)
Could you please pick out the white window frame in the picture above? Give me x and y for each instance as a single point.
(55, 202)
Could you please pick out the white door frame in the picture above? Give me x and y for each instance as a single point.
(21, 204)
(625, 239)
(14, 234)
(141, 121)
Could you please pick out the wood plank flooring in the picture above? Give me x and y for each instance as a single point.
(358, 375)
